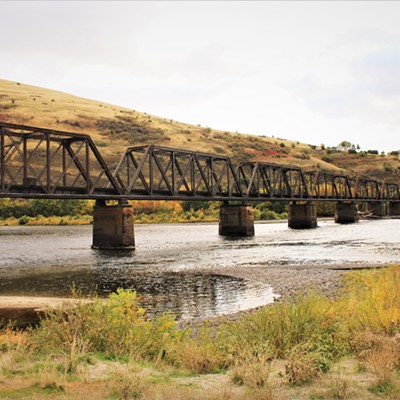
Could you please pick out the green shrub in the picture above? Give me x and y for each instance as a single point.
(115, 326)
(23, 220)
(268, 215)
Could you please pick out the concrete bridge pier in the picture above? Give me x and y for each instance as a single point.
(394, 208)
(346, 213)
(302, 216)
(377, 208)
(236, 220)
(113, 226)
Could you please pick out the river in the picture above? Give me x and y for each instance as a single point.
(173, 264)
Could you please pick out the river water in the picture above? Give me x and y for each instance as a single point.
(172, 266)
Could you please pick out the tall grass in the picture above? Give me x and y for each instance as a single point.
(372, 300)
(309, 320)
(115, 327)
(308, 333)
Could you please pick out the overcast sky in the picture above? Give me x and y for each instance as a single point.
(316, 72)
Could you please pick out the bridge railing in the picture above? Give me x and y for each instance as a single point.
(37, 162)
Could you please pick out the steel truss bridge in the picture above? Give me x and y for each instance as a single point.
(44, 163)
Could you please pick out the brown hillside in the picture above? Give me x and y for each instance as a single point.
(114, 128)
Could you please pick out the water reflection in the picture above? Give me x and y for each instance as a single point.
(173, 265)
(185, 294)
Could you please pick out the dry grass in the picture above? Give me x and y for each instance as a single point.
(253, 371)
(380, 354)
(128, 382)
(119, 380)
(114, 128)
(301, 367)
(245, 357)
(339, 388)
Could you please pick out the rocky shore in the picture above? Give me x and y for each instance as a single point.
(287, 281)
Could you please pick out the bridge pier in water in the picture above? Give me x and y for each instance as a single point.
(302, 215)
(346, 213)
(236, 220)
(113, 226)
(394, 208)
(377, 208)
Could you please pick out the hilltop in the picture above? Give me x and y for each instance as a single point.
(114, 128)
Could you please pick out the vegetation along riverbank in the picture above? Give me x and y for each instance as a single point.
(80, 212)
(307, 347)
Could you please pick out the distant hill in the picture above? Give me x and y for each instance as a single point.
(114, 128)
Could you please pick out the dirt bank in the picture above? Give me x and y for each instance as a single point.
(24, 310)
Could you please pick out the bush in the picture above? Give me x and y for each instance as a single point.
(23, 220)
(327, 159)
(253, 371)
(47, 208)
(278, 330)
(116, 326)
(371, 300)
(301, 367)
(206, 352)
(269, 215)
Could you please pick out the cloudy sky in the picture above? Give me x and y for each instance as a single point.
(317, 72)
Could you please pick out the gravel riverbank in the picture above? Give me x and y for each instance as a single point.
(286, 281)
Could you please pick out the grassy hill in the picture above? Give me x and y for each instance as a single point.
(114, 128)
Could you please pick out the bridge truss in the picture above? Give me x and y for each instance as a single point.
(37, 162)
(43, 163)
(271, 181)
(161, 172)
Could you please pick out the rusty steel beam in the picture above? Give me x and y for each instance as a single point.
(266, 181)
(44, 163)
(164, 173)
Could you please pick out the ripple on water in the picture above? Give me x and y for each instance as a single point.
(167, 263)
(188, 295)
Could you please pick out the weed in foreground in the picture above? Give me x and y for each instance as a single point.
(127, 383)
(204, 353)
(115, 327)
(310, 319)
(14, 362)
(380, 353)
(371, 300)
(253, 371)
(301, 366)
(385, 388)
(52, 388)
(339, 388)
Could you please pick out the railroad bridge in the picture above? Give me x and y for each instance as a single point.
(44, 163)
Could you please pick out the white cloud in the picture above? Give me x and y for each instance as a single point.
(310, 71)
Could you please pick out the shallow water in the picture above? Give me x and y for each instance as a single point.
(173, 263)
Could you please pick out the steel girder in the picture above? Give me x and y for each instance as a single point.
(164, 173)
(44, 163)
(272, 181)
